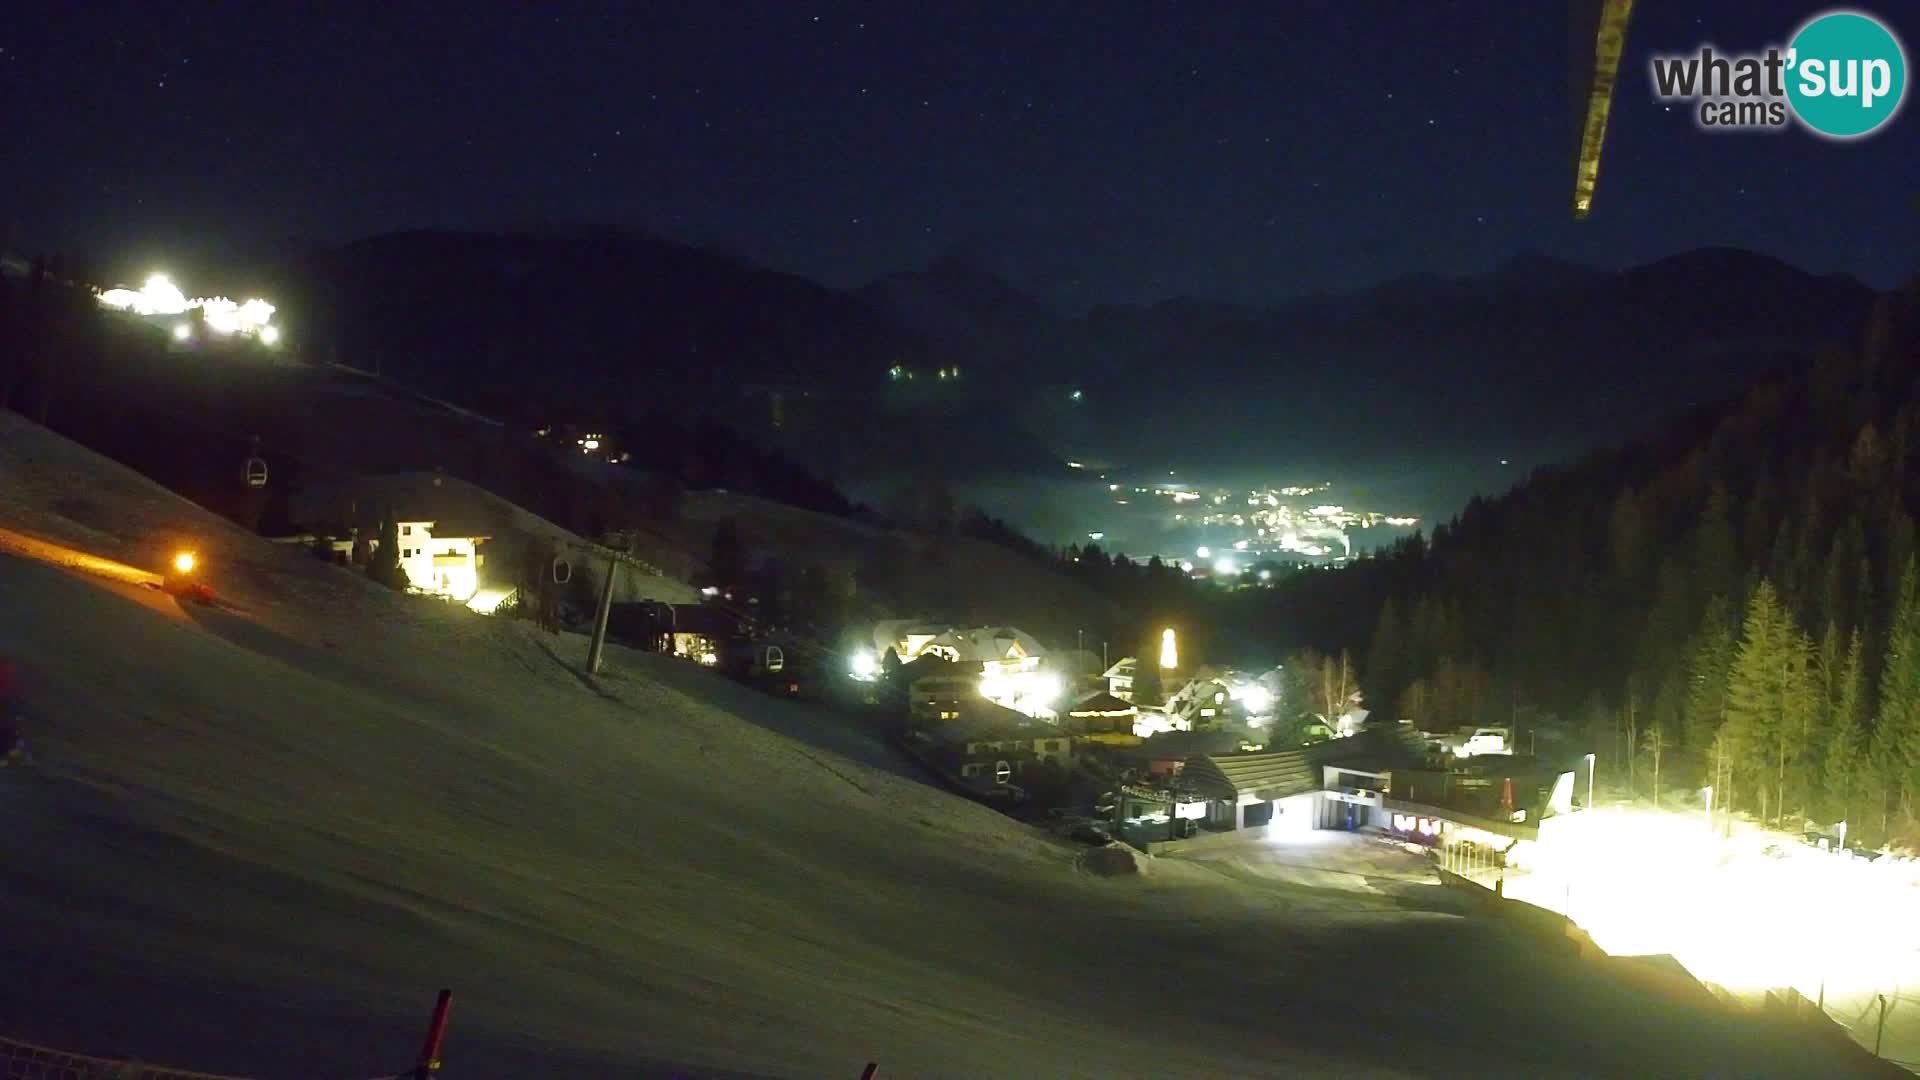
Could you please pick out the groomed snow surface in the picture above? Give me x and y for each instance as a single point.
(259, 840)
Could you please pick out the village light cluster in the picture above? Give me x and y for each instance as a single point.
(160, 297)
(1273, 520)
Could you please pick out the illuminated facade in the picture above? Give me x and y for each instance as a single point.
(442, 565)
(1005, 662)
(1120, 678)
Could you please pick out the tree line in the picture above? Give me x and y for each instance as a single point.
(1730, 603)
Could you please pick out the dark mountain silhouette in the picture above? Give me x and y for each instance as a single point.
(1546, 356)
(974, 313)
(602, 316)
(1536, 359)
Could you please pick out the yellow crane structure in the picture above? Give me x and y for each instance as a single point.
(1599, 35)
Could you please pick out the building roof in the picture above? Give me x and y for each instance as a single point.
(994, 723)
(1101, 703)
(1379, 746)
(705, 620)
(1200, 684)
(989, 644)
(928, 666)
(1262, 775)
(888, 633)
(1179, 745)
(454, 508)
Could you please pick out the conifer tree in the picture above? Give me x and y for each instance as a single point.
(1708, 662)
(1846, 733)
(1896, 737)
(385, 565)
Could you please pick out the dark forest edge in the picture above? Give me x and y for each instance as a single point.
(1734, 603)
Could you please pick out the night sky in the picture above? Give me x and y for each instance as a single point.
(1096, 152)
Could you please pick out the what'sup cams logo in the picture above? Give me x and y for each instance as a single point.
(1843, 75)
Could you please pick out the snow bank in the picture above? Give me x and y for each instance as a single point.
(1114, 860)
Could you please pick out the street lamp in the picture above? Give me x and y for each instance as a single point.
(1590, 762)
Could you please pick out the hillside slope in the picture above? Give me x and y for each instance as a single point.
(257, 840)
(459, 508)
(908, 573)
(610, 312)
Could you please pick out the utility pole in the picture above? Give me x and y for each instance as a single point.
(599, 643)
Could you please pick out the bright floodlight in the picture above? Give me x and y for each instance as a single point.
(183, 562)
(182, 331)
(1045, 688)
(1225, 568)
(1266, 575)
(1258, 699)
(1203, 553)
(255, 313)
(161, 297)
(222, 315)
(864, 665)
(1169, 650)
(270, 335)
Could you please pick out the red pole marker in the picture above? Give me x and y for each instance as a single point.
(436, 1034)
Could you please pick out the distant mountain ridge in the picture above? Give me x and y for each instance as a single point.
(612, 311)
(1536, 356)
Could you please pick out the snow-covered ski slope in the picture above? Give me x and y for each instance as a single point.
(258, 840)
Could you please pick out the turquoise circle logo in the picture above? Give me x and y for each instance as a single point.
(1847, 74)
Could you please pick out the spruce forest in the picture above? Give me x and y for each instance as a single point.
(1733, 603)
